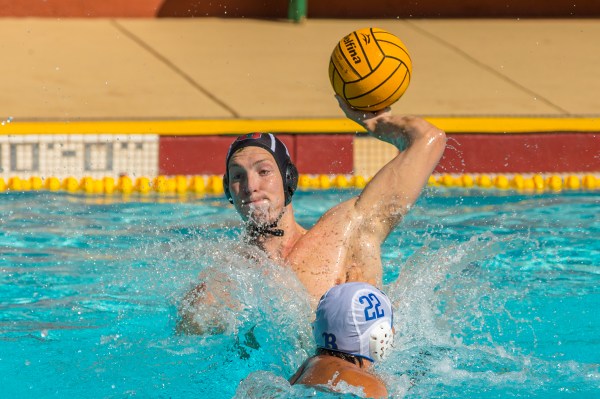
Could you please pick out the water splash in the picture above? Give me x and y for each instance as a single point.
(438, 297)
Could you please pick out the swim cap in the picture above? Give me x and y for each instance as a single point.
(269, 142)
(355, 318)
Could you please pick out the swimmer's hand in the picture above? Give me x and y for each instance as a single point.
(197, 313)
(366, 119)
(381, 124)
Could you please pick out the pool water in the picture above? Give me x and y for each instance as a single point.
(497, 296)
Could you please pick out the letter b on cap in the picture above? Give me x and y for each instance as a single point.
(329, 341)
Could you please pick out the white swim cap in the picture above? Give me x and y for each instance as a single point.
(357, 319)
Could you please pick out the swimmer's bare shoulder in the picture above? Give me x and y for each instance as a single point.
(336, 250)
(330, 371)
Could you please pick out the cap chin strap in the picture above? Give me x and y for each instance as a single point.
(381, 340)
(255, 231)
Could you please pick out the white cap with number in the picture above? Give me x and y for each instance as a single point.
(357, 319)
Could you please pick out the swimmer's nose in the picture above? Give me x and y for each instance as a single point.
(250, 184)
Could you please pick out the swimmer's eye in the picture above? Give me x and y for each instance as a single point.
(265, 172)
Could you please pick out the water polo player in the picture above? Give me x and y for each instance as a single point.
(352, 330)
(345, 243)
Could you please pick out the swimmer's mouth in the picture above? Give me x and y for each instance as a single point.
(252, 201)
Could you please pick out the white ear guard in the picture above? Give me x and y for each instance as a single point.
(381, 340)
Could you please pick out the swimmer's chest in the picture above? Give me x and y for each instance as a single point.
(333, 252)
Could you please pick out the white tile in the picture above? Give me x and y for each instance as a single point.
(106, 138)
(120, 138)
(60, 138)
(151, 138)
(46, 138)
(30, 138)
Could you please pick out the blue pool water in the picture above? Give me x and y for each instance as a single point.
(498, 297)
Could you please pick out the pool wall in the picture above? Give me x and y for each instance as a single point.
(169, 148)
(345, 153)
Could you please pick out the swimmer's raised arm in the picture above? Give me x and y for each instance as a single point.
(391, 192)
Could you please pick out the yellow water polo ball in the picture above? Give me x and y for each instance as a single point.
(370, 69)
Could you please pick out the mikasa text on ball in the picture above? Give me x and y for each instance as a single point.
(370, 69)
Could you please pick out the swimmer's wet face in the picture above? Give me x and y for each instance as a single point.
(256, 185)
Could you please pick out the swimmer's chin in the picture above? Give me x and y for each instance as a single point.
(254, 209)
(261, 223)
(258, 218)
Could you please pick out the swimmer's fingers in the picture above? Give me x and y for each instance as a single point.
(366, 119)
(352, 113)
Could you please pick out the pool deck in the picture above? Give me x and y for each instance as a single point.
(219, 71)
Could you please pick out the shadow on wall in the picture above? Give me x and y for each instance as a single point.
(272, 9)
(80, 8)
(277, 9)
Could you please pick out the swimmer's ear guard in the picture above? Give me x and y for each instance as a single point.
(269, 142)
(381, 340)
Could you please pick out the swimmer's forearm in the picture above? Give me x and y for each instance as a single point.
(393, 190)
(400, 131)
(400, 140)
(404, 131)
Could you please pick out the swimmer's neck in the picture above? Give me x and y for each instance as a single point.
(361, 363)
(279, 247)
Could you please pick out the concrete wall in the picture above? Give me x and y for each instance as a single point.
(316, 9)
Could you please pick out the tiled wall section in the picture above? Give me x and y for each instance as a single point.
(78, 155)
(370, 155)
